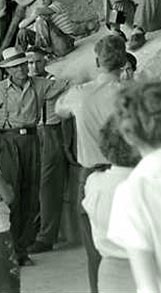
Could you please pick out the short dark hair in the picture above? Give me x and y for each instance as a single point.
(111, 52)
(132, 59)
(114, 147)
(138, 110)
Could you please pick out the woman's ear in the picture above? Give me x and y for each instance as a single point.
(97, 62)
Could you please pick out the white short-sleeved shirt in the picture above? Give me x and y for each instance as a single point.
(135, 220)
(91, 103)
(99, 190)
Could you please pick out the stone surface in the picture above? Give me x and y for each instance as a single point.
(56, 272)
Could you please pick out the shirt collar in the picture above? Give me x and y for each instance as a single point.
(11, 84)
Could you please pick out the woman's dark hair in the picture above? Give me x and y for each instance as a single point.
(114, 147)
(132, 59)
(111, 52)
(138, 110)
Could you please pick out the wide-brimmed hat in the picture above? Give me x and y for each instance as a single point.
(12, 57)
(24, 2)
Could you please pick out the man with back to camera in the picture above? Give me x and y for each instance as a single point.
(91, 104)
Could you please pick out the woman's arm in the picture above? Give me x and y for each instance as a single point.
(145, 270)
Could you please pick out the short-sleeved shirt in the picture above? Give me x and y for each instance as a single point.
(99, 191)
(22, 107)
(135, 217)
(61, 18)
(91, 104)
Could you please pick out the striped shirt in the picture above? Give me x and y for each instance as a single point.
(61, 18)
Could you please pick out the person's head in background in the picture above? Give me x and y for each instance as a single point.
(129, 68)
(138, 112)
(110, 54)
(114, 148)
(36, 61)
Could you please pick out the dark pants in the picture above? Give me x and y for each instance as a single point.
(20, 165)
(93, 255)
(9, 270)
(52, 182)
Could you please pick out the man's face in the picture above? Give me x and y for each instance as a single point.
(127, 71)
(36, 64)
(19, 72)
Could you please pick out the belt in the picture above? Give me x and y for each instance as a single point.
(20, 131)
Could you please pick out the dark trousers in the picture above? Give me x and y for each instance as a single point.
(93, 255)
(52, 182)
(9, 270)
(20, 166)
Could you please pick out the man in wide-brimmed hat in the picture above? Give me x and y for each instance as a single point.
(21, 99)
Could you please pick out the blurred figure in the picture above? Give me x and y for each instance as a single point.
(135, 216)
(9, 269)
(114, 271)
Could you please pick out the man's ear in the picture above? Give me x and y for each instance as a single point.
(97, 62)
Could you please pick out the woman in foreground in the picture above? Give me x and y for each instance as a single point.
(135, 218)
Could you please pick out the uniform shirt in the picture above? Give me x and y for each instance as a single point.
(60, 17)
(135, 218)
(24, 106)
(91, 104)
(99, 191)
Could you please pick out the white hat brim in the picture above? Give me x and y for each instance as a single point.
(5, 63)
